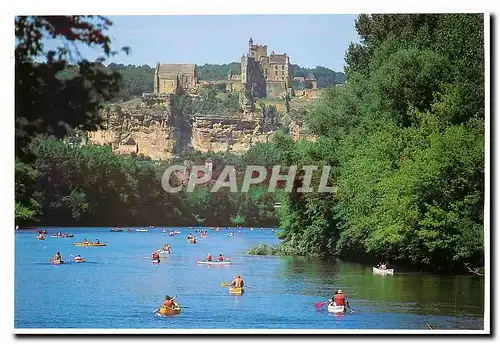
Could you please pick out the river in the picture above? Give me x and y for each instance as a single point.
(119, 287)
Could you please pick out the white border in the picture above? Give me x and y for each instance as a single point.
(238, 331)
(487, 196)
(204, 7)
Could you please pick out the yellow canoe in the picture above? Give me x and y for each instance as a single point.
(87, 244)
(236, 291)
(169, 311)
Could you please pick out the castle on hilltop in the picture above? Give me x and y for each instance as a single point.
(262, 75)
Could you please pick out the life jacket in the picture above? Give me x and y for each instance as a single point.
(209, 258)
(168, 303)
(220, 259)
(339, 299)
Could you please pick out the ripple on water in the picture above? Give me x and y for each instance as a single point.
(119, 288)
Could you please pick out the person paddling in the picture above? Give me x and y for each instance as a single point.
(156, 256)
(169, 302)
(237, 282)
(209, 257)
(221, 258)
(341, 300)
(57, 258)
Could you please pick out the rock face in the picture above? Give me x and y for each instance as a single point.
(216, 133)
(157, 132)
(161, 132)
(158, 129)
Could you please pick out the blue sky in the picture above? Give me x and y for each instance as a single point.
(310, 40)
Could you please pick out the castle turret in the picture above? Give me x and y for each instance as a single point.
(250, 42)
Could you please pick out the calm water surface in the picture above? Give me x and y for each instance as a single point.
(119, 287)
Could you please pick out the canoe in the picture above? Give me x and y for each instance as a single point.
(333, 308)
(56, 262)
(155, 261)
(79, 261)
(62, 236)
(81, 244)
(383, 271)
(226, 262)
(168, 311)
(236, 291)
(41, 238)
(177, 232)
(142, 230)
(117, 230)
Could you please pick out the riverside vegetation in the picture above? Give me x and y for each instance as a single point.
(405, 138)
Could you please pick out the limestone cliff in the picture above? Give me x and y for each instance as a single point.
(156, 131)
(161, 131)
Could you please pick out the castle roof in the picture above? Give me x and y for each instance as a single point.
(173, 69)
(277, 58)
(310, 77)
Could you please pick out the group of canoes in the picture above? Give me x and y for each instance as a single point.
(165, 250)
(172, 307)
(57, 259)
(41, 235)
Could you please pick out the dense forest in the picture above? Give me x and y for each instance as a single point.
(404, 137)
(92, 186)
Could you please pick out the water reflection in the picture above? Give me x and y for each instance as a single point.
(405, 293)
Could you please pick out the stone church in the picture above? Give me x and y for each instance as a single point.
(170, 77)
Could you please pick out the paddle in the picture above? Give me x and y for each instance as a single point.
(320, 304)
(225, 284)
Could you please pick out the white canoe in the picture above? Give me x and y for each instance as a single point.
(142, 230)
(383, 271)
(333, 308)
(214, 262)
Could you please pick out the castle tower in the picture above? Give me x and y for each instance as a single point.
(156, 85)
(250, 42)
